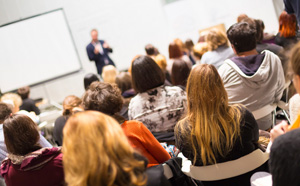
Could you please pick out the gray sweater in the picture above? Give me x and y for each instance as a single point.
(262, 88)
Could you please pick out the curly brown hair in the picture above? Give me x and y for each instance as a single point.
(103, 97)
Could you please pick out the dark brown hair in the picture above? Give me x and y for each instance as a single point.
(175, 51)
(24, 92)
(146, 74)
(242, 36)
(150, 50)
(89, 79)
(103, 97)
(180, 72)
(21, 135)
(123, 80)
(5, 111)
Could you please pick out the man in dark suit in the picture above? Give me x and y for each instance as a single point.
(98, 51)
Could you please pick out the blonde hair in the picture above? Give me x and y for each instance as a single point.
(161, 61)
(109, 74)
(97, 152)
(216, 38)
(199, 49)
(10, 98)
(214, 124)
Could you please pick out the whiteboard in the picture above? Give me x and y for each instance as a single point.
(35, 50)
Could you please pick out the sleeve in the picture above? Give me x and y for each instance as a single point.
(152, 145)
(35, 109)
(249, 129)
(90, 51)
(288, 7)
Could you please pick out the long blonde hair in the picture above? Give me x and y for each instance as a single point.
(97, 152)
(213, 124)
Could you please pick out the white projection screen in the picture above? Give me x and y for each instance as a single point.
(35, 50)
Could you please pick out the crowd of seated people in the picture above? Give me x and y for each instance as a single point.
(201, 101)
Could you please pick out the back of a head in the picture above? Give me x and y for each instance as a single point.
(150, 50)
(69, 103)
(21, 135)
(199, 49)
(241, 17)
(5, 111)
(284, 161)
(161, 62)
(260, 26)
(242, 37)
(109, 73)
(206, 96)
(89, 79)
(216, 38)
(103, 97)
(180, 72)
(175, 51)
(14, 99)
(97, 152)
(123, 80)
(189, 44)
(287, 24)
(24, 92)
(146, 74)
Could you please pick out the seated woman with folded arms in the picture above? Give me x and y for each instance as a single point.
(106, 98)
(28, 164)
(214, 131)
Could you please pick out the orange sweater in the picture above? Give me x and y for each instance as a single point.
(143, 140)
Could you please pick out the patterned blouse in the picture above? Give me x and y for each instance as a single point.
(159, 108)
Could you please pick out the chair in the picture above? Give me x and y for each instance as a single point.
(228, 169)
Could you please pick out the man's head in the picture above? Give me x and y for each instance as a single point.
(24, 92)
(94, 35)
(242, 37)
(5, 111)
(284, 160)
(150, 50)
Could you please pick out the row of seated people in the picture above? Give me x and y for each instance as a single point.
(214, 122)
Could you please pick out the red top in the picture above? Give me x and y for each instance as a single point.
(44, 169)
(143, 140)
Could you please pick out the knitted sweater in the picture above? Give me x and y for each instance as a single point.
(143, 141)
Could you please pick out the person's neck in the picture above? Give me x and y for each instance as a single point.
(247, 53)
(95, 41)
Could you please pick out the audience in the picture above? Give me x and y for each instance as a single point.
(252, 79)
(5, 111)
(27, 103)
(260, 46)
(27, 162)
(96, 152)
(180, 73)
(214, 131)
(200, 49)
(109, 73)
(286, 36)
(162, 63)
(218, 48)
(176, 52)
(89, 79)
(71, 104)
(107, 99)
(157, 106)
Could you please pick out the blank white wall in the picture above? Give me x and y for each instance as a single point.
(129, 25)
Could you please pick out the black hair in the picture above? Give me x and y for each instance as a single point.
(242, 36)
